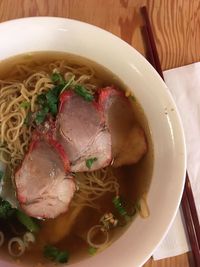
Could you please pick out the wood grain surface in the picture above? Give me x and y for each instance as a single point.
(176, 26)
(176, 23)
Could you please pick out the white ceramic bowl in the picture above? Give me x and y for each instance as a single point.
(46, 33)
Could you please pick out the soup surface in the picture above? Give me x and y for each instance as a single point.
(106, 200)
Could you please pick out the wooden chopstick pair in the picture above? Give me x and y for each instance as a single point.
(187, 202)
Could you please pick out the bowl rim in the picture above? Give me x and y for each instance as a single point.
(114, 37)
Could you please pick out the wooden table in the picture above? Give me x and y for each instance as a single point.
(176, 25)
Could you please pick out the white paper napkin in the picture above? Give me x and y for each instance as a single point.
(184, 84)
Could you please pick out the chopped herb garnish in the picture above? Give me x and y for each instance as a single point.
(6, 210)
(27, 221)
(48, 103)
(92, 250)
(89, 162)
(126, 209)
(82, 91)
(57, 78)
(1, 175)
(25, 104)
(41, 115)
(41, 99)
(56, 255)
(52, 101)
(49, 100)
(120, 208)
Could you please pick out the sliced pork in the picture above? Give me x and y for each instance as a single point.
(128, 139)
(44, 188)
(82, 131)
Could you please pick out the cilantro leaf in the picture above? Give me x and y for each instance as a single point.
(82, 91)
(41, 115)
(41, 99)
(52, 101)
(54, 254)
(57, 78)
(25, 104)
(48, 102)
(89, 162)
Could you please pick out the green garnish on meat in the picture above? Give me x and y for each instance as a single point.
(49, 101)
(84, 92)
(54, 254)
(89, 162)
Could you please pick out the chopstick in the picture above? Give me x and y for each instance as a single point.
(151, 41)
(187, 202)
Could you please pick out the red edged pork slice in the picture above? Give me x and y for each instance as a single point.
(44, 190)
(128, 140)
(82, 131)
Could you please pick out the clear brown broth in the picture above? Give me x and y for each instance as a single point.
(134, 180)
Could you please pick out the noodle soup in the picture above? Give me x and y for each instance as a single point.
(106, 200)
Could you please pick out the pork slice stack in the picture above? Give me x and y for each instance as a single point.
(100, 132)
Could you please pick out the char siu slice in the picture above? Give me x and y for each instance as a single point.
(44, 190)
(128, 140)
(82, 131)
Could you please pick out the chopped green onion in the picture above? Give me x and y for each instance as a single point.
(27, 221)
(120, 208)
(89, 162)
(56, 255)
(92, 251)
(6, 209)
(25, 104)
(118, 205)
(82, 91)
